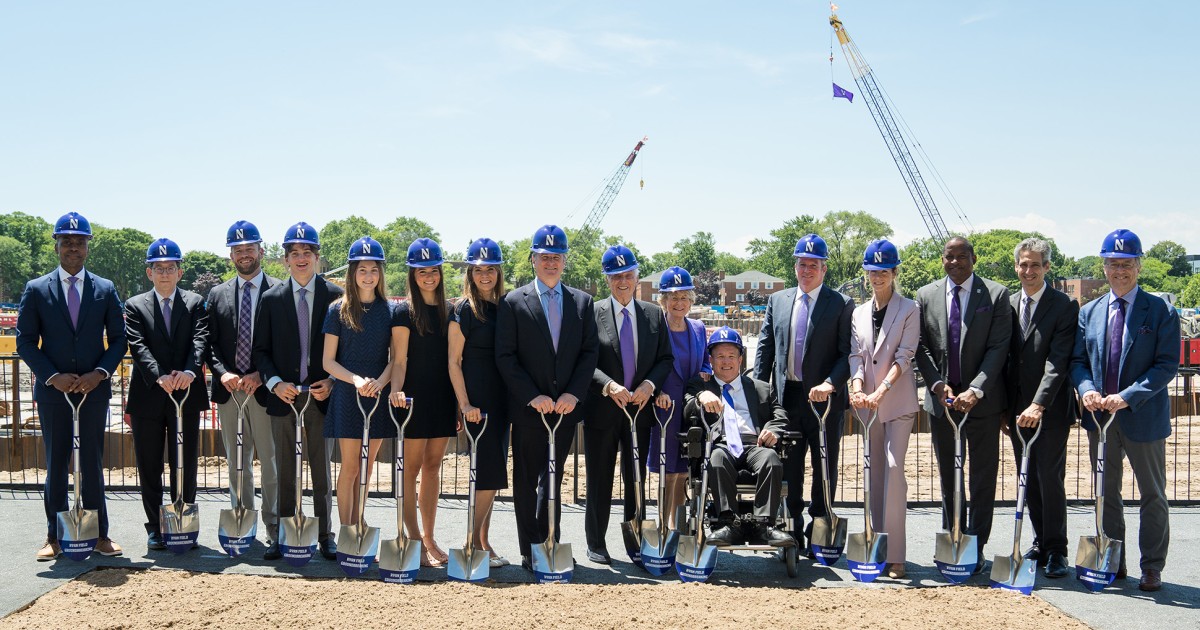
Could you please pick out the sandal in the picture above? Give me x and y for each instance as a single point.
(429, 559)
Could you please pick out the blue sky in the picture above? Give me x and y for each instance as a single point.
(494, 118)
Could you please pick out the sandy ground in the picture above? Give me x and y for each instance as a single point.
(122, 598)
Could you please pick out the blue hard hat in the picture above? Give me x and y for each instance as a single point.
(163, 250)
(881, 255)
(1121, 244)
(811, 246)
(242, 232)
(549, 239)
(424, 252)
(725, 334)
(484, 251)
(302, 234)
(72, 223)
(675, 279)
(618, 259)
(365, 248)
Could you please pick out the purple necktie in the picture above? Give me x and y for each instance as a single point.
(243, 337)
(73, 301)
(167, 315)
(733, 436)
(1116, 340)
(955, 370)
(628, 354)
(305, 333)
(800, 325)
(553, 315)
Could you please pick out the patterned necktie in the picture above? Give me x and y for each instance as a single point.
(243, 337)
(305, 333)
(628, 353)
(1026, 316)
(1116, 341)
(954, 369)
(800, 326)
(733, 436)
(73, 301)
(553, 315)
(166, 311)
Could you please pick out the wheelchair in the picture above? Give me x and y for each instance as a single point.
(698, 517)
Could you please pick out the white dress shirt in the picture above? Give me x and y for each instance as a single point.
(740, 407)
(812, 304)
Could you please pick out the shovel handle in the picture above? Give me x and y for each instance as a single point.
(821, 417)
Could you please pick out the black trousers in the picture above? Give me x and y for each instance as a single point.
(801, 418)
(768, 471)
(531, 484)
(56, 418)
(982, 450)
(317, 451)
(1046, 493)
(600, 445)
(154, 435)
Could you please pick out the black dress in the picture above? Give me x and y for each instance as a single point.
(485, 389)
(364, 353)
(427, 377)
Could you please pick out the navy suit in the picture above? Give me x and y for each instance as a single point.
(1149, 363)
(159, 348)
(49, 344)
(826, 359)
(531, 367)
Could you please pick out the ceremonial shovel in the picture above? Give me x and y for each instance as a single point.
(237, 526)
(658, 542)
(360, 542)
(179, 521)
(400, 558)
(78, 529)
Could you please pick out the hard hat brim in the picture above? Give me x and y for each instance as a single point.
(613, 272)
(880, 266)
(480, 263)
(425, 263)
(686, 287)
(548, 250)
(72, 233)
(808, 255)
(1119, 255)
(245, 241)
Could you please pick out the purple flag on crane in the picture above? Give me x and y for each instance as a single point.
(840, 92)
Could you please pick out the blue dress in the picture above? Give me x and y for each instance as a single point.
(687, 346)
(364, 353)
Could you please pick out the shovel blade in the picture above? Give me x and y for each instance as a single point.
(399, 560)
(78, 532)
(1014, 573)
(180, 525)
(866, 557)
(297, 539)
(236, 529)
(694, 562)
(468, 565)
(552, 562)
(828, 539)
(658, 549)
(632, 535)
(956, 560)
(357, 548)
(1097, 560)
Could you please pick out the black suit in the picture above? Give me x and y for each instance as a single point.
(826, 359)
(277, 355)
(983, 350)
(159, 348)
(767, 415)
(1038, 368)
(605, 427)
(531, 367)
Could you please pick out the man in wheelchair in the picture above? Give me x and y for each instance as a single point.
(750, 423)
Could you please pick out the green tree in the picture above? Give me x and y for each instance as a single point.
(15, 268)
(198, 263)
(1173, 254)
(338, 234)
(773, 255)
(272, 263)
(395, 237)
(708, 287)
(205, 283)
(1154, 274)
(920, 264)
(730, 264)
(1190, 296)
(847, 235)
(1089, 267)
(659, 262)
(697, 253)
(118, 254)
(36, 234)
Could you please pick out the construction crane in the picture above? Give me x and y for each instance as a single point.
(894, 136)
(611, 188)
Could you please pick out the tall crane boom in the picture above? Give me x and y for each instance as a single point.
(892, 136)
(615, 182)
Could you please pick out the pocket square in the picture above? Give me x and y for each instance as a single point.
(1144, 330)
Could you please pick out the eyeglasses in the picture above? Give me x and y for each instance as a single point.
(1124, 265)
(164, 271)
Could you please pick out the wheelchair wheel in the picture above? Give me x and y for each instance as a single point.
(789, 558)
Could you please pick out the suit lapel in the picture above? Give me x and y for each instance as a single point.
(1133, 322)
(644, 341)
(941, 315)
(973, 300)
(572, 327)
(751, 401)
(783, 325)
(1099, 330)
(534, 303)
(59, 299)
(604, 317)
(824, 302)
(290, 317)
(889, 319)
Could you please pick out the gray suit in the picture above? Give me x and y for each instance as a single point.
(986, 331)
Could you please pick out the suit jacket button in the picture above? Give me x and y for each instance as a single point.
(874, 362)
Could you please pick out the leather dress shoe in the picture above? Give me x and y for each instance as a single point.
(108, 547)
(1151, 580)
(980, 566)
(527, 563)
(1035, 553)
(1056, 566)
(154, 542)
(273, 552)
(726, 536)
(775, 537)
(49, 551)
(328, 548)
(599, 556)
(1122, 573)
